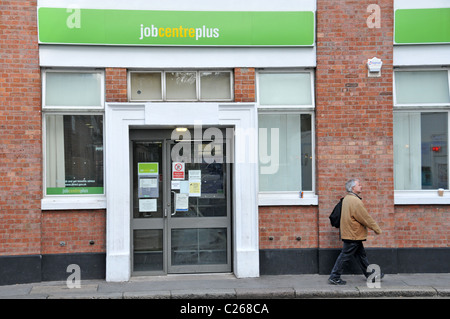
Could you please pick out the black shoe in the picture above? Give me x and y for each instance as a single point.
(381, 276)
(336, 281)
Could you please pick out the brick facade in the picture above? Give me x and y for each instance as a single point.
(20, 130)
(354, 138)
(354, 113)
(286, 227)
(244, 85)
(66, 232)
(421, 226)
(116, 85)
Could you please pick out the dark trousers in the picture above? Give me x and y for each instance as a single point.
(352, 248)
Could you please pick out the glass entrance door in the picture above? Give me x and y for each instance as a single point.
(181, 206)
(199, 223)
(148, 207)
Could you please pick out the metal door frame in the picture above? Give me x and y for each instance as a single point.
(167, 223)
(195, 223)
(156, 136)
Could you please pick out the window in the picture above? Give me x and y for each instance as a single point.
(73, 90)
(421, 117)
(146, 86)
(180, 86)
(74, 149)
(285, 156)
(286, 144)
(73, 133)
(422, 87)
(288, 88)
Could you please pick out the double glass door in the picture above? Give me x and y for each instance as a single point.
(181, 205)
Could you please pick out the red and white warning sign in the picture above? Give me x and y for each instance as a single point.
(177, 170)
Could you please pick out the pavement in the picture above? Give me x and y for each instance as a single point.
(227, 286)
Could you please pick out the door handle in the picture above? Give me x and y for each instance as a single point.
(174, 205)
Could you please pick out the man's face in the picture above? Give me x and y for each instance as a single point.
(357, 188)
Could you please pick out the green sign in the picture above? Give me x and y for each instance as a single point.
(74, 190)
(175, 28)
(414, 26)
(148, 168)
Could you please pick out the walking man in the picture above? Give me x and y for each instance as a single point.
(354, 223)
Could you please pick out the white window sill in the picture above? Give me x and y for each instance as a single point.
(287, 199)
(73, 202)
(421, 197)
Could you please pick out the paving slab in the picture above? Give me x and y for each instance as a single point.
(113, 295)
(265, 293)
(63, 289)
(443, 292)
(394, 292)
(165, 294)
(15, 290)
(338, 292)
(213, 293)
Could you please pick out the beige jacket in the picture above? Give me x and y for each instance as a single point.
(355, 219)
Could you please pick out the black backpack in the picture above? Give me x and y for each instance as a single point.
(335, 217)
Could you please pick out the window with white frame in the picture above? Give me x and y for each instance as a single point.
(286, 161)
(285, 152)
(72, 90)
(421, 134)
(73, 132)
(207, 85)
(287, 88)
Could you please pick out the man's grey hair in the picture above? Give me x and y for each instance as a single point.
(350, 183)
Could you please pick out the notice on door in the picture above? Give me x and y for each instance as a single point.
(195, 189)
(195, 185)
(148, 187)
(178, 170)
(147, 205)
(181, 202)
(148, 180)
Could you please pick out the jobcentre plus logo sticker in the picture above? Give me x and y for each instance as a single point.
(178, 32)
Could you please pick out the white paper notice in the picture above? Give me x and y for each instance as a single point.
(184, 187)
(148, 182)
(181, 202)
(147, 205)
(195, 174)
(175, 185)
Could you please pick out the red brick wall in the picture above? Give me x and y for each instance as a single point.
(285, 224)
(422, 226)
(76, 229)
(354, 113)
(116, 85)
(244, 85)
(20, 130)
